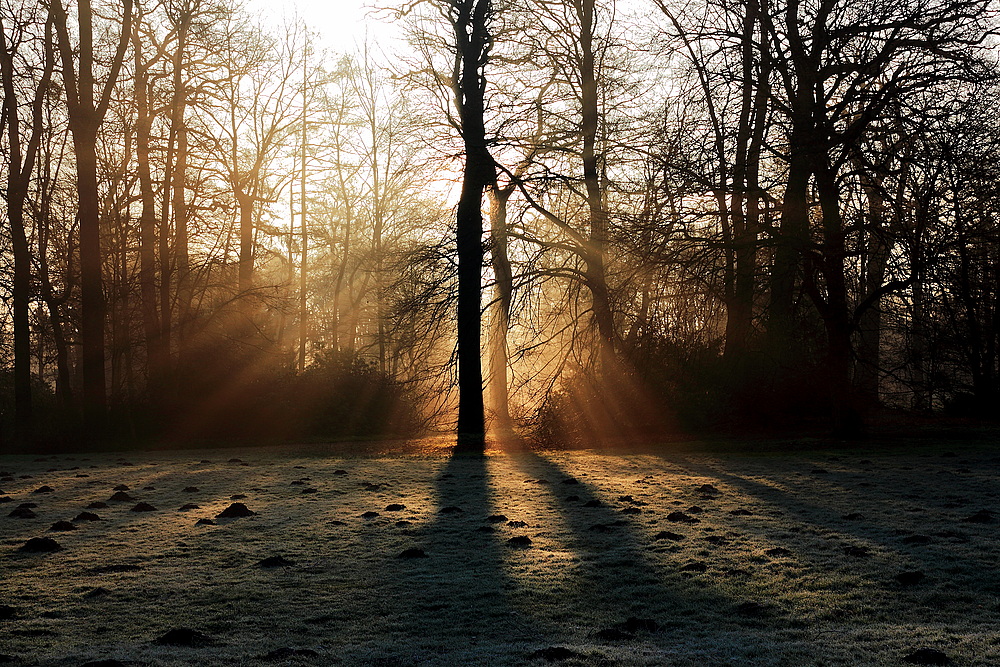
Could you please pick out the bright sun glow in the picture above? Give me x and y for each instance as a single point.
(341, 24)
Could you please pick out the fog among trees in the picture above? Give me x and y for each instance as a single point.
(558, 219)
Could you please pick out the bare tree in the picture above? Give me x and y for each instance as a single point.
(87, 108)
(468, 44)
(22, 154)
(841, 71)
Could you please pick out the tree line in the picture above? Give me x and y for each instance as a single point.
(616, 218)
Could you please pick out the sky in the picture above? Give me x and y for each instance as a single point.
(340, 23)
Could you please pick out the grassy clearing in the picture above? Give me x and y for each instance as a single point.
(791, 562)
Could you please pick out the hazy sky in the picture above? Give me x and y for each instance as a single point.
(341, 23)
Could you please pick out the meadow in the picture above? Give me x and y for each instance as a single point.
(672, 555)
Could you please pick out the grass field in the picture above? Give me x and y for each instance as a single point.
(630, 559)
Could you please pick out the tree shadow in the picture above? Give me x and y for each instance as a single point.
(620, 571)
(868, 517)
(457, 603)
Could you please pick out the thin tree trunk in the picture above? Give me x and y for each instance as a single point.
(181, 251)
(501, 321)
(64, 391)
(156, 357)
(595, 254)
(245, 203)
(173, 268)
(922, 395)
(22, 296)
(378, 214)
(866, 369)
(338, 285)
(174, 195)
(21, 165)
(341, 272)
(303, 304)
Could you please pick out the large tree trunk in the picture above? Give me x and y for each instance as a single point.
(86, 113)
(469, 221)
(786, 267)
(792, 242)
(473, 41)
(92, 304)
(746, 196)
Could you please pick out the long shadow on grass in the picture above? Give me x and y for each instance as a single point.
(619, 575)
(867, 530)
(457, 605)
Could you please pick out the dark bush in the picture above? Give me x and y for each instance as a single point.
(342, 394)
(237, 394)
(667, 389)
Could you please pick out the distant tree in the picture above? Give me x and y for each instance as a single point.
(570, 43)
(87, 107)
(23, 143)
(257, 91)
(842, 67)
(731, 68)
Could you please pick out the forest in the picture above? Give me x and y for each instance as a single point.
(521, 332)
(563, 219)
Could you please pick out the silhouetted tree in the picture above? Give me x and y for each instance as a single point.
(22, 152)
(87, 107)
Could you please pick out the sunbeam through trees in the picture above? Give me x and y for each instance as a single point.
(571, 220)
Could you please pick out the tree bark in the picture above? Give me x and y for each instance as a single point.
(303, 268)
(835, 311)
(245, 203)
(786, 267)
(182, 255)
(53, 302)
(92, 303)
(472, 41)
(746, 195)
